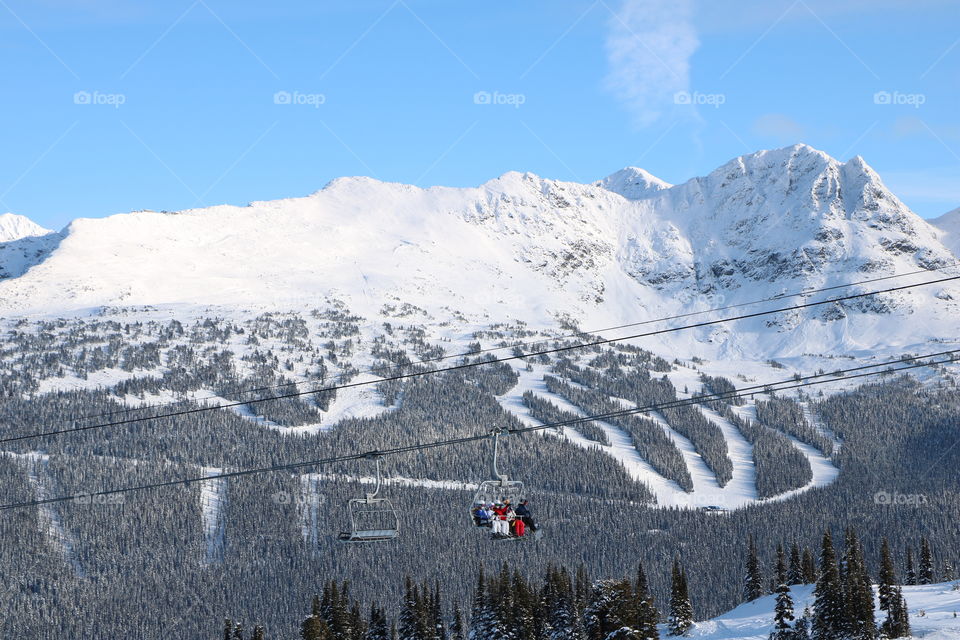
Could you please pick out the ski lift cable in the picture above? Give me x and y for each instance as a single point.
(578, 334)
(468, 365)
(801, 382)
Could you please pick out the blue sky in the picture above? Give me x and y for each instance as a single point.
(118, 105)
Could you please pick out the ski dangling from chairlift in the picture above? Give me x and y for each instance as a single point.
(500, 504)
(371, 519)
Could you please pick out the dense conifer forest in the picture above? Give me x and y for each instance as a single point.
(165, 563)
(565, 604)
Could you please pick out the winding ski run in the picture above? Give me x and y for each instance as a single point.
(741, 490)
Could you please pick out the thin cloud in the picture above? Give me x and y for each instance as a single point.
(649, 45)
(778, 126)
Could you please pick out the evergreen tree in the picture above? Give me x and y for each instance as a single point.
(377, 627)
(801, 630)
(857, 591)
(609, 610)
(409, 622)
(457, 629)
(897, 624)
(887, 577)
(335, 610)
(559, 600)
(783, 614)
(424, 612)
(911, 571)
(259, 633)
(501, 601)
(795, 573)
(315, 628)
(238, 631)
(227, 628)
(330, 594)
(646, 615)
(926, 575)
(357, 625)
(482, 622)
(948, 573)
(522, 613)
(412, 623)
(809, 567)
(753, 576)
(436, 614)
(581, 589)
(549, 596)
(681, 610)
(828, 608)
(780, 571)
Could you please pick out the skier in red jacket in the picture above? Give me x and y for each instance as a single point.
(500, 527)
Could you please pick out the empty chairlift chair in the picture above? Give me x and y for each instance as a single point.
(371, 519)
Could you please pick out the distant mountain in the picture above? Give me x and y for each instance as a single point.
(14, 227)
(626, 248)
(950, 224)
(633, 183)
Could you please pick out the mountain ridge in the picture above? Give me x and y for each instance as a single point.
(525, 247)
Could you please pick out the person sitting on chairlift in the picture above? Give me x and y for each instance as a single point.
(501, 528)
(482, 515)
(524, 514)
(518, 527)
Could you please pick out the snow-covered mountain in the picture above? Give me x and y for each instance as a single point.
(633, 183)
(626, 248)
(14, 227)
(949, 223)
(932, 607)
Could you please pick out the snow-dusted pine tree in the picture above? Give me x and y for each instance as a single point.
(609, 610)
(897, 624)
(857, 591)
(911, 571)
(926, 575)
(828, 608)
(646, 614)
(795, 573)
(753, 576)
(887, 577)
(681, 610)
(783, 615)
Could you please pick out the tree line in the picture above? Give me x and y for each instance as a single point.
(565, 605)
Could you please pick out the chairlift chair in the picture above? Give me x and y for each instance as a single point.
(371, 519)
(499, 490)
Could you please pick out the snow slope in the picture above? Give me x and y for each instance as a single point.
(521, 246)
(754, 620)
(212, 498)
(949, 223)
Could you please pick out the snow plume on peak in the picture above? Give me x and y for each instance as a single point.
(649, 46)
(633, 183)
(14, 227)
